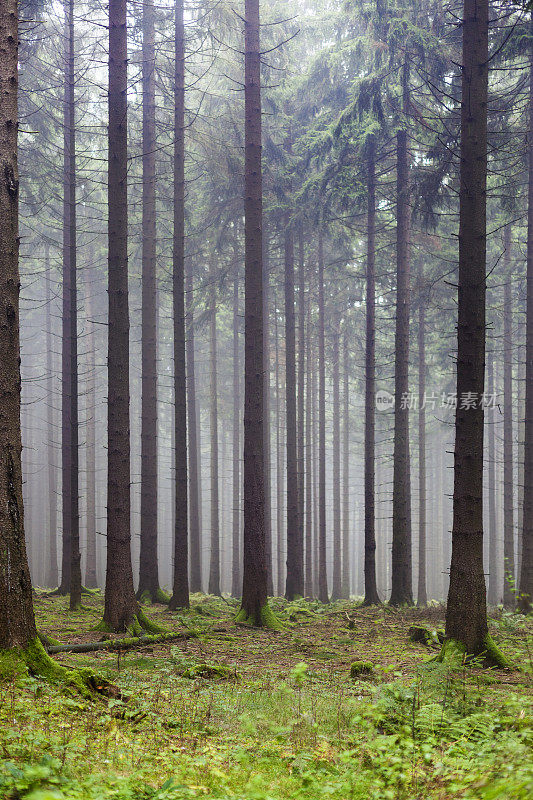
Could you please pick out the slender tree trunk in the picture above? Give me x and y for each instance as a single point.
(336, 592)
(525, 586)
(508, 482)
(180, 589)
(194, 453)
(17, 623)
(255, 577)
(371, 590)
(422, 597)
(492, 593)
(300, 397)
(279, 465)
(466, 614)
(91, 580)
(266, 412)
(52, 577)
(322, 569)
(346, 469)
(148, 566)
(236, 579)
(120, 603)
(214, 564)
(309, 585)
(401, 496)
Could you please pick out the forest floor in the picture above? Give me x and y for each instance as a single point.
(245, 714)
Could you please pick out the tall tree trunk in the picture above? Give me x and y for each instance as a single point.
(422, 597)
(214, 564)
(371, 589)
(401, 495)
(148, 566)
(266, 411)
(337, 543)
(120, 603)
(508, 482)
(255, 577)
(466, 614)
(346, 468)
(91, 580)
(300, 398)
(322, 569)
(294, 584)
(180, 589)
(308, 583)
(17, 623)
(52, 576)
(279, 463)
(492, 593)
(194, 453)
(525, 585)
(236, 580)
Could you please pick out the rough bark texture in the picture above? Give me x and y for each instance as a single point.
(236, 579)
(422, 597)
(214, 564)
(194, 467)
(91, 579)
(336, 589)
(466, 615)
(254, 591)
(180, 589)
(508, 445)
(322, 569)
(17, 623)
(371, 590)
(52, 574)
(120, 603)
(148, 567)
(401, 494)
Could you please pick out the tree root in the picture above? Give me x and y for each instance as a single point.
(489, 654)
(267, 619)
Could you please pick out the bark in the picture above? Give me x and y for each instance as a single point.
(336, 591)
(402, 593)
(279, 464)
(17, 623)
(214, 564)
(422, 597)
(266, 412)
(466, 616)
(322, 573)
(148, 567)
(120, 603)
(255, 578)
(508, 445)
(492, 593)
(346, 469)
(300, 448)
(194, 454)
(91, 580)
(236, 579)
(52, 576)
(308, 583)
(371, 590)
(180, 588)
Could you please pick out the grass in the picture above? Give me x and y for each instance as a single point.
(246, 714)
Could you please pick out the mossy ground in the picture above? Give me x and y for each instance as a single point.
(281, 719)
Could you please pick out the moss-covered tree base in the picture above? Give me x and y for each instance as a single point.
(160, 597)
(139, 624)
(489, 655)
(267, 619)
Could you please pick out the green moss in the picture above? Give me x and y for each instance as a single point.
(149, 625)
(359, 668)
(267, 619)
(48, 641)
(489, 654)
(103, 627)
(217, 671)
(162, 597)
(11, 666)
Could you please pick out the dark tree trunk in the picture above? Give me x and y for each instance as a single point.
(337, 543)
(17, 623)
(194, 466)
(492, 591)
(300, 397)
(371, 590)
(525, 585)
(508, 482)
(91, 580)
(214, 564)
(52, 576)
(236, 579)
(401, 494)
(266, 411)
(279, 464)
(255, 578)
(422, 597)
(294, 584)
(180, 588)
(148, 567)
(346, 469)
(308, 584)
(120, 603)
(322, 570)
(466, 614)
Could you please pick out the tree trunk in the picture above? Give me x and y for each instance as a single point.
(402, 593)
(236, 579)
(308, 584)
(336, 592)
(52, 576)
(214, 564)
(322, 569)
(17, 623)
(346, 469)
(91, 579)
(266, 412)
(466, 614)
(194, 466)
(492, 593)
(255, 578)
(180, 589)
(300, 419)
(422, 597)
(148, 566)
(371, 590)
(120, 603)
(508, 482)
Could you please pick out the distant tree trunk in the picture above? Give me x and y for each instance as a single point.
(194, 467)
(336, 592)
(300, 397)
(52, 576)
(279, 464)
(308, 584)
(294, 584)
(322, 573)
(422, 597)
(236, 580)
(401, 495)
(120, 603)
(346, 468)
(525, 601)
(371, 590)
(255, 578)
(466, 614)
(266, 411)
(508, 482)
(17, 623)
(148, 567)
(492, 593)
(214, 564)
(180, 589)
(91, 580)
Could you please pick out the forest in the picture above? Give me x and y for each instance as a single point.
(266, 399)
